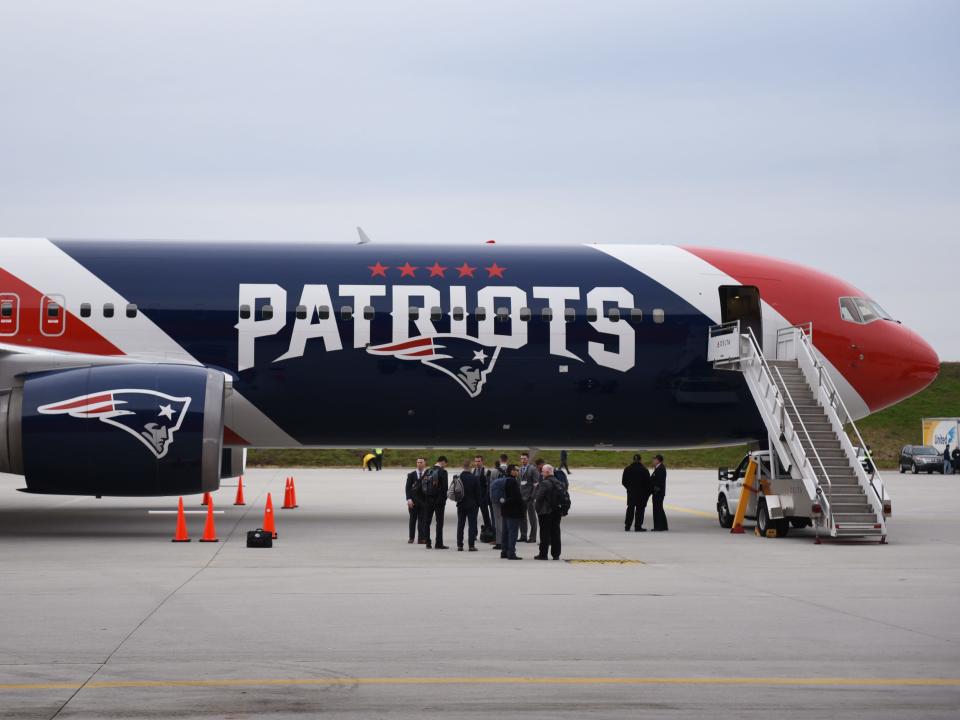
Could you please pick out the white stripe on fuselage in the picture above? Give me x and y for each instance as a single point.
(50, 270)
(696, 281)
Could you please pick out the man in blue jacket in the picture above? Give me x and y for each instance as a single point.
(468, 507)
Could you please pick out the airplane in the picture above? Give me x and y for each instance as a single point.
(141, 368)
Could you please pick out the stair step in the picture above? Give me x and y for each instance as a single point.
(866, 517)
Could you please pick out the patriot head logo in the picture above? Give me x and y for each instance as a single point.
(465, 359)
(151, 417)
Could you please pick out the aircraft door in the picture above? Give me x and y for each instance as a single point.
(9, 314)
(742, 302)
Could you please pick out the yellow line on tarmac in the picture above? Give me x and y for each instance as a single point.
(621, 498)
(572, 681)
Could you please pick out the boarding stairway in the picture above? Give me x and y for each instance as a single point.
(805, 418)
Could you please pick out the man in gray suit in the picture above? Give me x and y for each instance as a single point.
(528, 478)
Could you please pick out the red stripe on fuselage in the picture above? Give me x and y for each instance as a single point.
(77, 336)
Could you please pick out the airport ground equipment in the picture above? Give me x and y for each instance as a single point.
(805, 417)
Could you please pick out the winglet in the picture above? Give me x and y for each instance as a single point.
(363, 236)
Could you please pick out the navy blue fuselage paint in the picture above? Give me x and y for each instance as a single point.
(670, 396)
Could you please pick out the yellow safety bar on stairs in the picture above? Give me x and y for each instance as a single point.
(748, 487)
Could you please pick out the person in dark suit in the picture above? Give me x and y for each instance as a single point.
(636, 479)
(436, 506)
(483, 475)
(513, 510)
(416, 501)
(467, 507)
(659, 481)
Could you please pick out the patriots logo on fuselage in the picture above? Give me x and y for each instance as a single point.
(465, 359)
(150, 416)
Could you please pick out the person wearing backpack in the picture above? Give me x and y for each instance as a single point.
(468, 505)
(415, 500)
(552, 502)
(436, 486)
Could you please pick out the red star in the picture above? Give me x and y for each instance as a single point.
(436, 270)
(465, 270)
(407, 270)
(495, 271)
(378, 269)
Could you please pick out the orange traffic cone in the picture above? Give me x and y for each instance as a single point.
(210, 529)
(268, 523)
(293, 493)
(239, 500)
(206, 499)
(287, 497)
(181, 533)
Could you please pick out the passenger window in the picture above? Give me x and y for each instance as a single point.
(458, 314)
(636, 314)
(323, 312)
(480, 313)
(413, 313)
(85, 310)
(244, 311)
(658, 316)
(53, 311)
(435, 313)
(503, 314)
(569, 315)
(108, 310)
(591, 314)
(6, 308)
(525, 314)
(301, 312)
(614, 314)
(346, 312)
(266, 313)
(546, 315)
(131, 310)
(368, 312)
(848, 310)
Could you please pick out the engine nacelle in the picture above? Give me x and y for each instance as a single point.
(121, 430)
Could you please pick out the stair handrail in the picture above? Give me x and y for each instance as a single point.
(764, 365)
(813, 447)
(836, 402)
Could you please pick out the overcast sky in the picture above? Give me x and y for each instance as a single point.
(822, 132)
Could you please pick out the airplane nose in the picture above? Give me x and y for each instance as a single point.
(922, 364)
(908, 365)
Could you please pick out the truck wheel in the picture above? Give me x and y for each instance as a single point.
(723, 513)
(913, 468)
(902, 471)
(763, 518)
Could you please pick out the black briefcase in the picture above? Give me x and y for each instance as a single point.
(259, 538)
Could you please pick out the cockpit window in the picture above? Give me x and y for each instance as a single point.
(848, 310)
(861, 310)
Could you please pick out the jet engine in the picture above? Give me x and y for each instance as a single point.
(120, 430)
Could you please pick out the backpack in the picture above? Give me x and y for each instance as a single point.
(456, 491)
(561, 499)
(428, 484)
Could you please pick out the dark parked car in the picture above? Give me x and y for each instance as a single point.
(919, 458)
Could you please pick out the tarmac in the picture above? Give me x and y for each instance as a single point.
(101, 616)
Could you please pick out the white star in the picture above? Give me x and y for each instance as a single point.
(479, 355)
(167, 412)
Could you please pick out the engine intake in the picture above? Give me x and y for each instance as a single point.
(115, 430)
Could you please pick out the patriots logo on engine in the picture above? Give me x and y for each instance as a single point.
(465, 359)
(151, 417)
